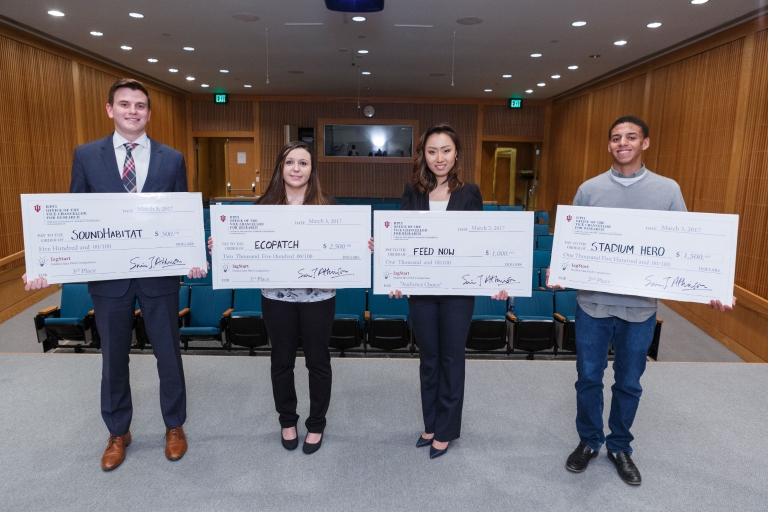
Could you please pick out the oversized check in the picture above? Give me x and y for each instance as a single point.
(70, 238)
(667, 255)
(278, 246)
(453, 253)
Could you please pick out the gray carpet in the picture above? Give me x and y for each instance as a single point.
(700, 440)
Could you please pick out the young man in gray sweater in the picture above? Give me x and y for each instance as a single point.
(624, 320)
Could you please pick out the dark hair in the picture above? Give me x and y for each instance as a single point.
(423, 180)
(630, 119)
(131, 84)
(275, 193)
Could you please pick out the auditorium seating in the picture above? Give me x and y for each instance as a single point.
(205, 318)
(544, 242)
(244, 324)
(541, 258)
(389, 325)
(488, 330)
(540, 229)
(565, 318)
(72, 321)
(534, 328)
(349, 321)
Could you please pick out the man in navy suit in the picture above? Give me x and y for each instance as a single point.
(128, 161)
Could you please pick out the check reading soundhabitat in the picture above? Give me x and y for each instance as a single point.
(279, 246)
(667, 255)
(453, 253)
(72, 238)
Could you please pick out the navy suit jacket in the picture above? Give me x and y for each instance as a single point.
(466, 198)
(95, 169)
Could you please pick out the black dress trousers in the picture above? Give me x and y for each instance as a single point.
(441, 325)
(287, 323)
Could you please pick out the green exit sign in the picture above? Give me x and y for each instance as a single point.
(515, 103)
(220, 97)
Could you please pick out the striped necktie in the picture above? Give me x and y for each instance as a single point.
(129, 168)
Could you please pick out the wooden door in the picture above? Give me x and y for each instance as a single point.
(241, 168)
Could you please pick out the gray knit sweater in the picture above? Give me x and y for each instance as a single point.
(651, 192)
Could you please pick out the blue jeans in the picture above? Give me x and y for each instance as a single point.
(631, 341)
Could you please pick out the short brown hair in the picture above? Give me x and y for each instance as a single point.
(131, 84)
(423, 180)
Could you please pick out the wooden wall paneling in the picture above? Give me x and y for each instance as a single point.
(621, 99)
(94, 89)
(479, 147)
(654, 112)
(566, 152)
(698, 125)
(233, 116)
(502, 120)
(752, 190)
(257, 147)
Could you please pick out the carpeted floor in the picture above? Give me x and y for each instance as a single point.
(700, 440)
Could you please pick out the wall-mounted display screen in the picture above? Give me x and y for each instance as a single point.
(362, 140)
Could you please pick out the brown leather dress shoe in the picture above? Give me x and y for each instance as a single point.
(175, 443)
(114, 455)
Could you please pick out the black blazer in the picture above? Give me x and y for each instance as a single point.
(95, 169)
(466, 198)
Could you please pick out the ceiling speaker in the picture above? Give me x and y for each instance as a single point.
(355, 5)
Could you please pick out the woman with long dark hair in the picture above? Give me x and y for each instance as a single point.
(293, 315)
(441, 323)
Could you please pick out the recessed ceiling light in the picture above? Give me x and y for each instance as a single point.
(699, 1)
(469, 21)
(366, 72)
(506, 76)
(358, 18)
(620, 42)
(555, 76)
(579, 23)
(655, 24)
(529, 91)
(535, 55)
(573, 67)
(151, 60)
(135, 15)
(190, 78)
(362, 51)
(223, 71)
(173, 70)
(96, 33)
(487, 90)
(203, 85)
(56, 13)
(188, 48)
(595, 56)
(126, 48)
(541, 84)
(247, 86)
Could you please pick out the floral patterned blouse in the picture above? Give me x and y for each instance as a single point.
(298, 294)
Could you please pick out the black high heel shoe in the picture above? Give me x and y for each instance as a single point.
(289, 444)
(310, 448)
(423, 441)
(435, 453)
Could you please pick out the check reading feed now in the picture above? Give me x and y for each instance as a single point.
(71, 238)
(279, 246)
(453, 253)
(680, 256)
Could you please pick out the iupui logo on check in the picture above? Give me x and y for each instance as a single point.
(223, 218)
(37, 208)
(386, 223)
(569, 218)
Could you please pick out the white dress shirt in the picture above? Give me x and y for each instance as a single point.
(140, 157)
(438, 206)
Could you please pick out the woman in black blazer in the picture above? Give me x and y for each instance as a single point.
(441, 323)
